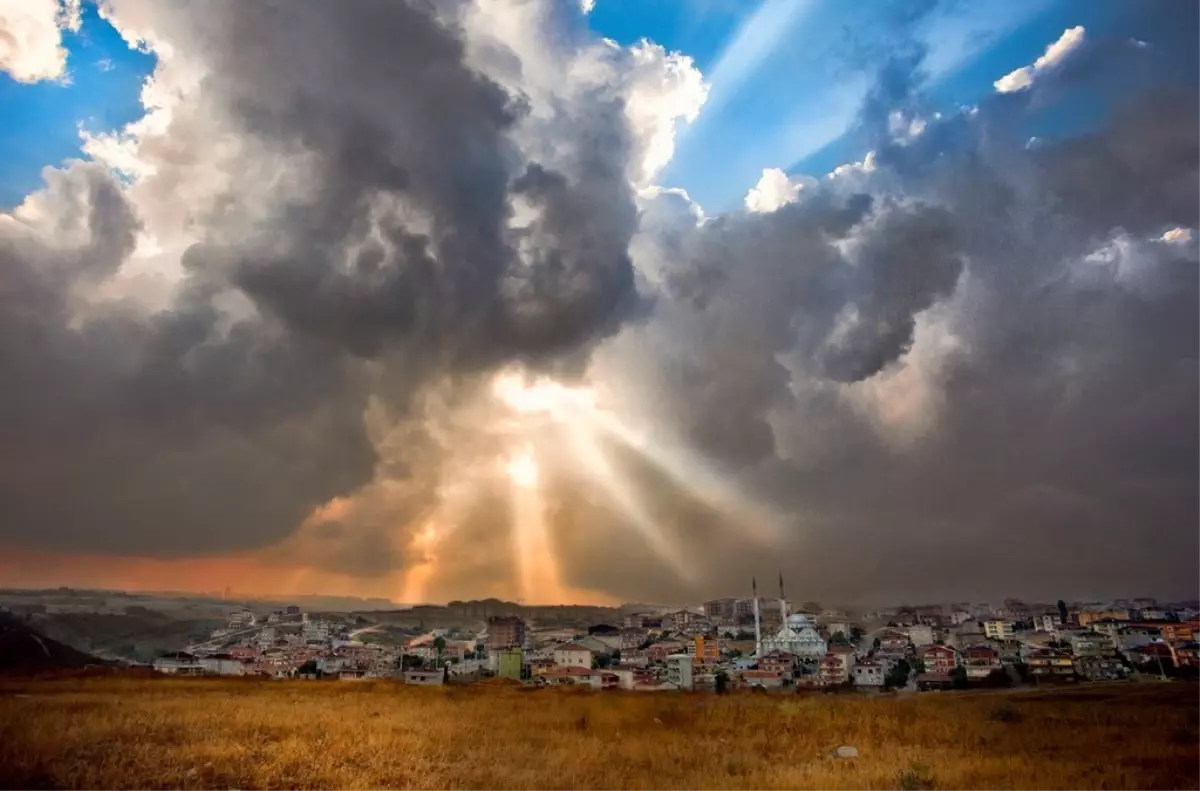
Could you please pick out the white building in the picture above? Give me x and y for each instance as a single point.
(426, 678)
(869, 673)
(1045, 623)
(838, 627)
(266, 637)
(959, 616)
(679, 670)
(996, 629)
(573, 655)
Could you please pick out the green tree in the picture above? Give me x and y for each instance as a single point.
(439, 643)
(722, 681)
(309, 668)
(959, 677)
(898, 676)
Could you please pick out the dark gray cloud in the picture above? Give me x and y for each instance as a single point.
(970, 371)
(365, 211)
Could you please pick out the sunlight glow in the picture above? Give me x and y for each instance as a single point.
(531, 541)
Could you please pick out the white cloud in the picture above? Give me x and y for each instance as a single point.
(1177, 236)
(866, 165)
(586, 6)
(1022, 78)
(31, 37)
(775, 190)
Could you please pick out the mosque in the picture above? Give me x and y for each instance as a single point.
(797, 636)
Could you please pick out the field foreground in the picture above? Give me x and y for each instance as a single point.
(120, 732)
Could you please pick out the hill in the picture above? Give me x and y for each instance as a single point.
(23, 650)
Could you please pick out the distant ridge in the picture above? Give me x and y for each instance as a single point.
(24, 650)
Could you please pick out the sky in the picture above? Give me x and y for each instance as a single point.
(629, 300)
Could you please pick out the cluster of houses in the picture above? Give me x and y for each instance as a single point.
(915, 648)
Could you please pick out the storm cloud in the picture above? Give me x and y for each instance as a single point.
(265, 317)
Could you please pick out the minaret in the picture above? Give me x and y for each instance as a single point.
(782, 600)
(757, 621)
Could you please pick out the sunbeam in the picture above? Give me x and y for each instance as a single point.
(597, 462)
(531, 545)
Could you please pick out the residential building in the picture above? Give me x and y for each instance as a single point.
(1050, 662)
(637, 620)
(777, 662)
(959, 616)
(292, 609)
(221, 665)
(266, 637)
(869, 673)
(938, 658)
(508, 662)
(996, 629)
(633, 637)
(573, 655)
(1116, 613)
(658, 652)
(833, 671)
(743, 609)
(679, 671)
(838, 627)
(892, 642)
(920, 634)
(704, 651)
(1100, 668)
(315, 632)
(1045, 622)
(1090, 643)
(682, 619)
(981, 660)
(720, 610)
(505, 631)
(241, 619)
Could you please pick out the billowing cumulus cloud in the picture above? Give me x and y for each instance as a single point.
(265, 320)
(31, 32)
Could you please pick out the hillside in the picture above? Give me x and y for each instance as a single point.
(24, 650)
(131, 733)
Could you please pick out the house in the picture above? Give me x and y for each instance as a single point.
(892, 642)
(869, 673)
(833, 671)
(777, 662)
(426, 678)
(573, 655)
(1100, 668)
(358, 674)
(981, 660)
(997, 629)
(1116, 613)
(838, 627)
(1050, 662)
(844, 654)
(938, 658)
(766, 679)
(959, 616)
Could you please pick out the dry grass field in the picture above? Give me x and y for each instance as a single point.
(123, 732)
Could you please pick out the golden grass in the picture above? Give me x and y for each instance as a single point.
(121, 732)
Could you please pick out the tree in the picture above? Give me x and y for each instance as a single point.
(898, 675)
(722, 681)
(959, 677)
(1062, 611)
(439, 643)
(309, 668)
(408, 661)
(875, 644)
